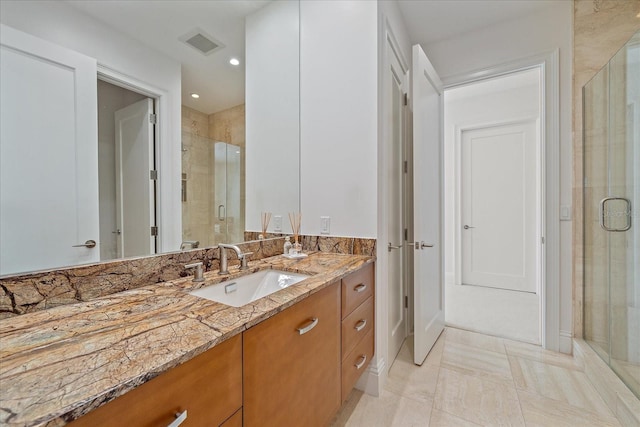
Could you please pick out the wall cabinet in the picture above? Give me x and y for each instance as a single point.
(292, 364)
(208, 387)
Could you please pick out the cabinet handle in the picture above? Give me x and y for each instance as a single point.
(360, 288)
(361, 324)
(361, 364)
(180, 417)
(313, 322)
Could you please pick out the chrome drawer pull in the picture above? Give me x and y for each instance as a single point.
(361, 364)
(360, 288)
(180, 417)
(361, 324)
(310, 326)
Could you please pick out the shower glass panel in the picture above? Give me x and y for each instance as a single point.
(212, 195)
(611, 201)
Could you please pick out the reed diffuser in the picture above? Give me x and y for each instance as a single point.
(295, 219)
(265, 217)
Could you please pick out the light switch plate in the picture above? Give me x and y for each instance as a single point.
(565, 212)
(277, 223)
(325, 224)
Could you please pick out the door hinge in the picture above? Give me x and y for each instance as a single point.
(154, 230)
(406, 301)
(542, 240)
(153, 175)
(406, 166)
(153, 119)
(405, 99)
(406, 234)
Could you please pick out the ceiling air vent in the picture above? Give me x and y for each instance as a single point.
(201, 41)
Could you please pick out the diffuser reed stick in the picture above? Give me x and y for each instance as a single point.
(265, 217)
(296, 219)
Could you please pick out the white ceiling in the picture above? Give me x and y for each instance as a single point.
(160, 24)
(429, 21)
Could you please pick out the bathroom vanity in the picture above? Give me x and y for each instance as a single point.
(156, 355)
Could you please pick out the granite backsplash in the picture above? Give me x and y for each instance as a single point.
(29, 292)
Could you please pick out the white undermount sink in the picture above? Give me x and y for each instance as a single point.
(245, 289)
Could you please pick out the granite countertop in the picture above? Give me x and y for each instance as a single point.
(60, 363)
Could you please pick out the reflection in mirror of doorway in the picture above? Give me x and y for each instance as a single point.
(125, 156)
(213, 176)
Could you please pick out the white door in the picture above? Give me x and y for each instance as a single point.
(48, 155)
(394, 177)
(498, 206)
(428, 288)
(135, 190)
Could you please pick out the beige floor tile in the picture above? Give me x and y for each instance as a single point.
(387, 410)
(554, 382)
(347, 408)
(474, 339)
(545, 412)
(475, 361)
(477, 399)
(537, 353)
(412, 381)
(443, 419)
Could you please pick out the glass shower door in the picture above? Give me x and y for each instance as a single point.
(612, 197)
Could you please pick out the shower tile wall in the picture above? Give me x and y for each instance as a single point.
(600, 28)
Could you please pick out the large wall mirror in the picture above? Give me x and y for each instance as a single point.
(132, 128)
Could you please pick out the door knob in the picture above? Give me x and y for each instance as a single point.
(87, 244)
(421, 245)
(392, 247)
(466, 227)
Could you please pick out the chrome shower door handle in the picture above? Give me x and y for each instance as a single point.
(222, 212)
(390, 247)
(603, 214)
(466, 227)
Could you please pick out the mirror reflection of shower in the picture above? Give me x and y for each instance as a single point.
(212, 180)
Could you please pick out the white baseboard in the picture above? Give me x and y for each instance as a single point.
(372, 381)
(566, 342)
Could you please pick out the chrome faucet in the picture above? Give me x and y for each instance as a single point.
(197, 274)
(224, 262)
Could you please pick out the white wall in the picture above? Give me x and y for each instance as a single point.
(540, 32)
(64, 25)
(272, 113)
(339, 116)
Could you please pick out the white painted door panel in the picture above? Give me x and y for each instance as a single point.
(394, 177)
(135, 200)
(48, 154)
(427, 177)
(499, 206)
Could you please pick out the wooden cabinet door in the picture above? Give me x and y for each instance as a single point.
(208, 387)
(293, 378)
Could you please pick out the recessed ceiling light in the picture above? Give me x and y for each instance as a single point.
(195, 95)
(234, 61)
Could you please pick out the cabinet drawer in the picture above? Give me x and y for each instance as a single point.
(292, 364)
(356, 326)
(208, 387)
(356, 288)
(234, 421)
(355, 363)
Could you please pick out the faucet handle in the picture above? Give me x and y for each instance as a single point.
(198, 275)
(243, 260)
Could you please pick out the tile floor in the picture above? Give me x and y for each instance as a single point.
(470, 379)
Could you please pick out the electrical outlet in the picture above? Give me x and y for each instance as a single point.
(277, 224)
(325, 224)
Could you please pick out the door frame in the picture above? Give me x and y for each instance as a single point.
(162, 152)
(550, 142)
